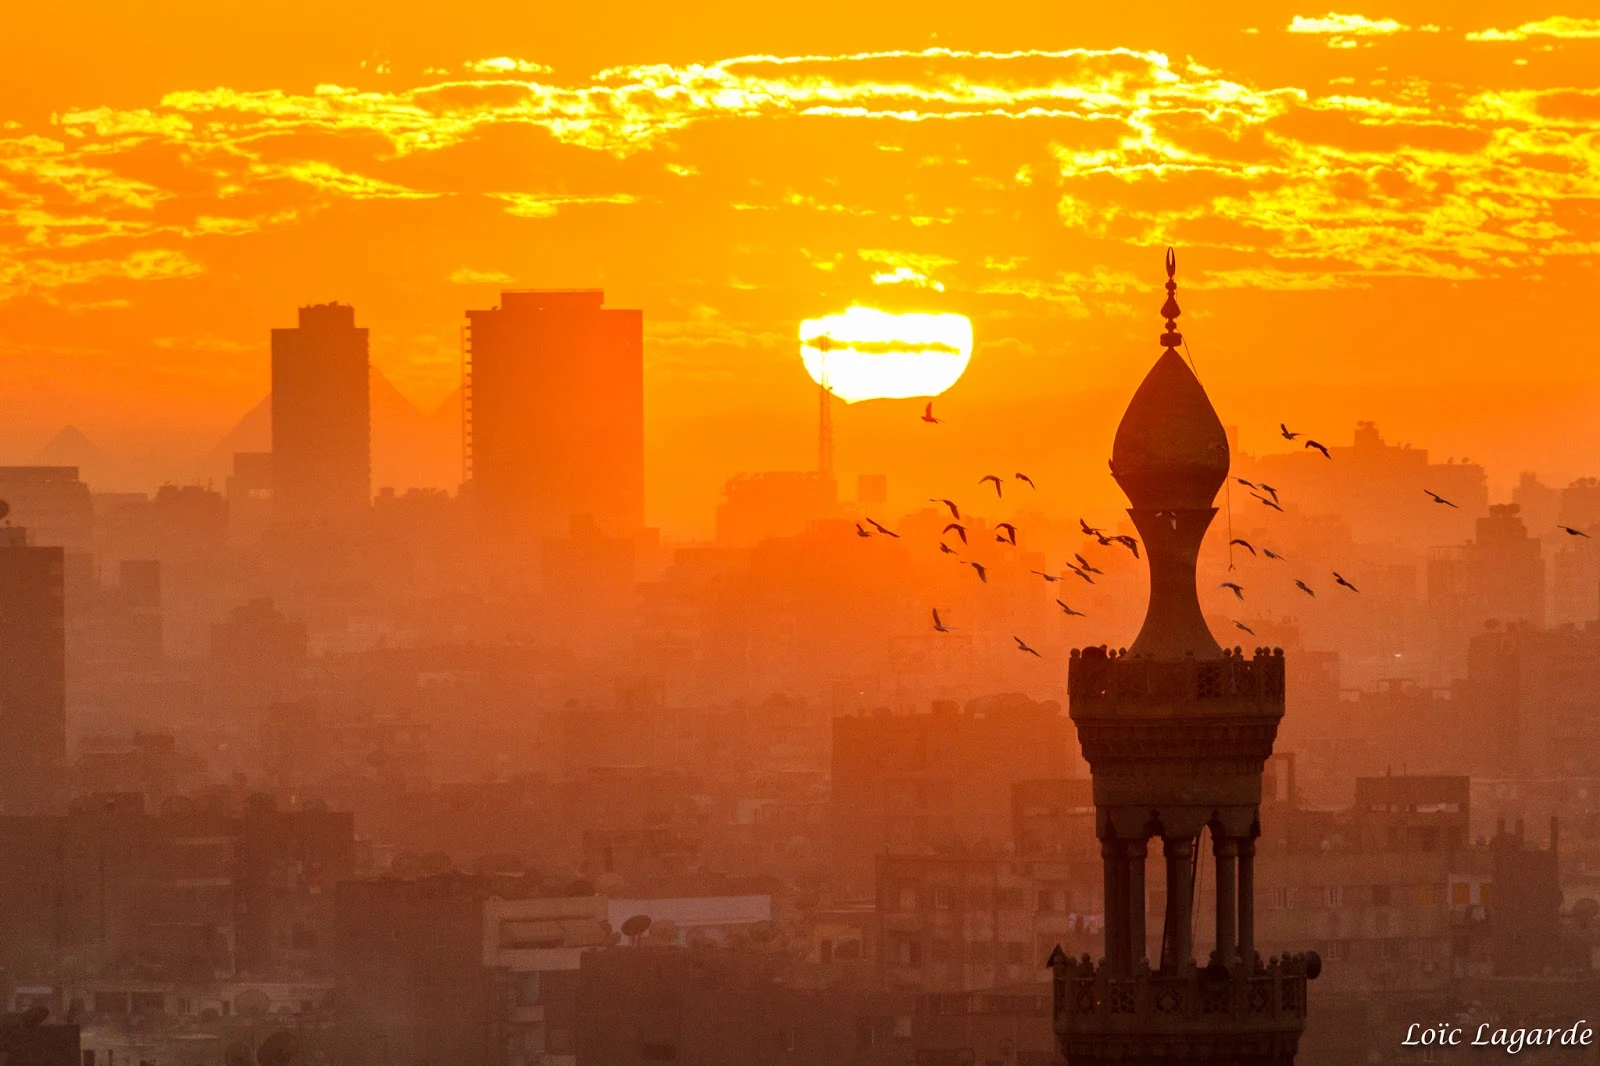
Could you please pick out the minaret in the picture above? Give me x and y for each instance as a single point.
(1176, 731)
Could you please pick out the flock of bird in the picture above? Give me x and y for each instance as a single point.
(1006, 533)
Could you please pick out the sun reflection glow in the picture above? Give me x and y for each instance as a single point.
(867, 354)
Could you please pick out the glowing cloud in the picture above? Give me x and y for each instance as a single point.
(867, 354)
(1346, 25)
(1555, 26)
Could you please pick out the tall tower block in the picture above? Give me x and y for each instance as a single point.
(321, 418)
(1176, 730)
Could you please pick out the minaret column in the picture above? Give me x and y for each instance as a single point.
(1116, 903)
(1138, 949)
(1179, 946)
(1226, 850)
(1247, 901)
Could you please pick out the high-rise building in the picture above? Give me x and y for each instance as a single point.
(553, 408)
(33, 675)
(1177, 731)
(321, 418)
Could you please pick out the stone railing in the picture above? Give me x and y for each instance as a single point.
(1268, 997)
(1097, 675)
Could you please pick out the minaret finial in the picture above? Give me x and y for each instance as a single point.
(1170, 310)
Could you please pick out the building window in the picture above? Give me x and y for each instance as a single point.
(941, 951)
(1280, 899)
(913, 955)
(908, 896)
(1380, 895)
(1016, 952)
(1332, 895)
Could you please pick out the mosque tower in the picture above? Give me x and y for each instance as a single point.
(1176, 730)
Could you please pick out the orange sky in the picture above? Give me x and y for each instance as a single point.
(1387, 212)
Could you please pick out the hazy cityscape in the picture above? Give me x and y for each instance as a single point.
(500, 775)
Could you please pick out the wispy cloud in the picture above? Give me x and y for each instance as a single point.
(1563, 26)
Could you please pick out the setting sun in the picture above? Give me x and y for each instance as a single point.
(867, 354)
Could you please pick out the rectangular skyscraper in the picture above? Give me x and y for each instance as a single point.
(33, 676)
(554, 400)
(321, 418)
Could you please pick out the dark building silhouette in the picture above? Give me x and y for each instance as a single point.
(321, 419)
(1177, 731)
(554, 414)
(52, 502)
(33, 675)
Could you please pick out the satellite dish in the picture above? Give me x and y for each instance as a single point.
(636, 925)
(1313, 966)
(279, 1049)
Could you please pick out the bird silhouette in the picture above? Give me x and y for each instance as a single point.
(1081, 573)
(1086, 564)
(1340, 579)
(1436, 498)
(1270, 554)
(938, 626)
(1269, 490)
(955, 512)
(1303, 587)
(1247, 484)
(1246, 628)
(983, 572)
(1026, 478)
(994, 478)
(885, 530)
(1323, 448)
(1024, 647)
(1127, 542)
(1269, 502)
(1088, 530)
(947, 549)
(1287, 435)
(1569, 531)
(1047, 577)
(1068, 610)
(961, 530)
(861, 532)
(1011, 533)
(927, 413)
(1234, 585)
(1241, 542)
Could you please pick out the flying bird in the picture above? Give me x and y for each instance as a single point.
(1269, 502)
(938, 626)
(885, 530)
(1285, 431)
(1047, 577)
(1088, 530)
(1086, 564)
(1234, 585)
(1339, 578)
(1068, 610)
(1269, 489)
(983, 573)
(947, 549)
(1241, 542)
(1323, 448)
(1025, 477)
(1011, 533)
(994, 478)
(1023, 647)
(1436, 498)
(1127, 542)
(1246, 628)
(860, 532)
(955, 512)
(927, 413)
(1270, 554)
(961, 530)
(1569, 531)
(1303, 587)
(1247, 484)
(1081, 573)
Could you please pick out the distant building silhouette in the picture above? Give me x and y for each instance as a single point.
(321, 418)
(53, 502)
(33, 675)
(553, 419)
